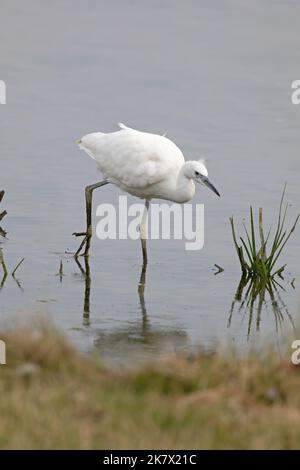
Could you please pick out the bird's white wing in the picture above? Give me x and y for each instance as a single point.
(132, 158)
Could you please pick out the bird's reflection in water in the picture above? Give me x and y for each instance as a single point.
(253, 298)
(86, 271)
(141, 292)
(138, 340)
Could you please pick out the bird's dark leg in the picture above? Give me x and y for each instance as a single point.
(88, 207)
(143, 232)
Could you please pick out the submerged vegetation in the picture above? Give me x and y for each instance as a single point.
(53, 397)
(257, 260)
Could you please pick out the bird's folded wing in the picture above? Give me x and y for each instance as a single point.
(132, 158)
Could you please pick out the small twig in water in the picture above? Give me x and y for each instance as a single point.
(2, 262)
(60, 271)
(3, 214)
(61, 268)
(220, 269)
(18, 265)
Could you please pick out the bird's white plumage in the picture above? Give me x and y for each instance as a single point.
(143, 164)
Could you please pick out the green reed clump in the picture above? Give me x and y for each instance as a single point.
(257, 254)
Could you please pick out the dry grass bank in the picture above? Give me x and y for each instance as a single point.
(52, 397)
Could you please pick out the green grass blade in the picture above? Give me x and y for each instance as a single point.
(285, 242)
(249, 243)
(247, 251)
(252, 232)
(239, 249)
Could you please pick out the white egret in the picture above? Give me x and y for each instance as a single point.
(145, 165)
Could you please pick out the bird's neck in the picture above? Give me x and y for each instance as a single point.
(185, 188)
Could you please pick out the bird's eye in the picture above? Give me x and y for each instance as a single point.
(197, 173)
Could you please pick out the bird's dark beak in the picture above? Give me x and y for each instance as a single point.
(207, 183)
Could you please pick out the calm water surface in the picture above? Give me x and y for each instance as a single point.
(217, 76)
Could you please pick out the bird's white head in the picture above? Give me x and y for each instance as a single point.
(197, 171)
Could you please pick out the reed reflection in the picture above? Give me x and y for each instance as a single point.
(255, 297)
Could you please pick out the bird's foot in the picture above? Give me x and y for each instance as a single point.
(85, 244)
(82, 244)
